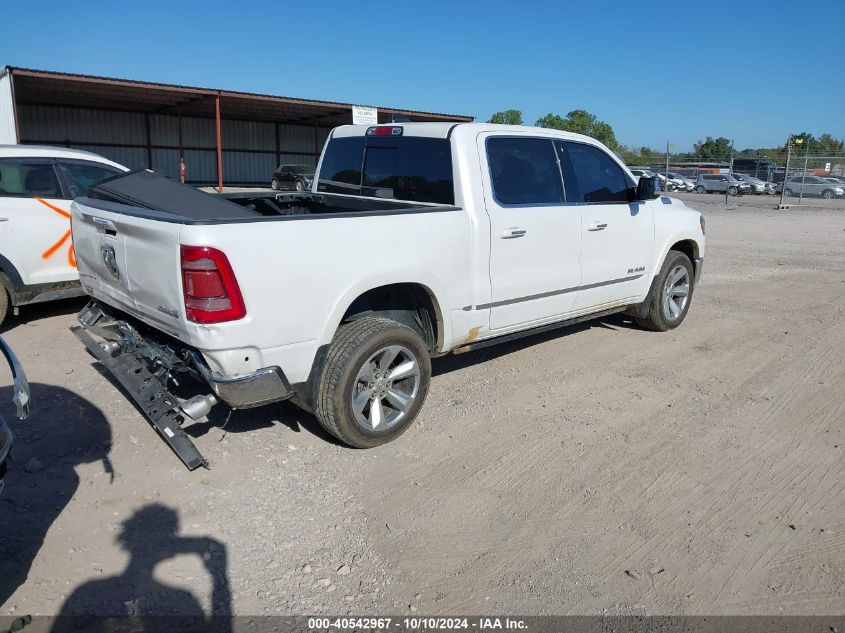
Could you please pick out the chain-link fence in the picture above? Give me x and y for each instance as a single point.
(794, 175)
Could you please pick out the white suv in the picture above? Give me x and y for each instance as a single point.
(37, 185)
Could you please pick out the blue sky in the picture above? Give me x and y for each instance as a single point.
(725, 59)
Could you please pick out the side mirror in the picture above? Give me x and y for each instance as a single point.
(648, 188)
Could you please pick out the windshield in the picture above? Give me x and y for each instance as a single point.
(398, 167)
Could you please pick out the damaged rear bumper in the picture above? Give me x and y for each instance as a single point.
(248, 390)
(146, 365)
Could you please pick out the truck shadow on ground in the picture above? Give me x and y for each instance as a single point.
(297, 420)
(455, 362)
(62, 432)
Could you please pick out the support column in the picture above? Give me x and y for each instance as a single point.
(14, 106)
(149, 142)
(219, 145)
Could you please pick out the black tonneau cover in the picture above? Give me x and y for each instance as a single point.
(145, 188)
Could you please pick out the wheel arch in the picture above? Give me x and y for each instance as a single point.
(387, 296)
(689, 245)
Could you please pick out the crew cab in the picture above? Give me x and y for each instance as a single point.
(416, 240)
(37, 185)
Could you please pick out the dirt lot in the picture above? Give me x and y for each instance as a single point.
(600, 470)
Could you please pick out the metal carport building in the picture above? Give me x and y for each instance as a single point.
(224, 136)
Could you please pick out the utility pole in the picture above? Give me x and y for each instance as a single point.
(804, 174)
(730, 172)
(668, 146)
(786, 168)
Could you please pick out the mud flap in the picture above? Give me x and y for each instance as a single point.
(157, 403)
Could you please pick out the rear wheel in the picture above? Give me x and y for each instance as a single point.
(671, 294)
(374, 382)
(275, 185)
(827, 194)
(4, 304)
(700, 189)
(787, 192)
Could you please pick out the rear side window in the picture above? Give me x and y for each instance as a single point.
(524, 171)
(340, 171)
(401, 168)
(591, 175)
(24, 178)
(83, 175)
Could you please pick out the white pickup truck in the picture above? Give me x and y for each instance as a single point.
(416, 240)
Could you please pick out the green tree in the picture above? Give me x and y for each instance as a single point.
(507, 117)
(581, 122)
(713, 149)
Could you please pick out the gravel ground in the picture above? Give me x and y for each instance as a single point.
(604, 469)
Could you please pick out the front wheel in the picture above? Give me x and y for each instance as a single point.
(671, 294)
(374, 382)
(300, 186)
(733, 191)
(827, 194)
(787, 192)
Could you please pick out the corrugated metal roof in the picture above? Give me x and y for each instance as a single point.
(44, 87)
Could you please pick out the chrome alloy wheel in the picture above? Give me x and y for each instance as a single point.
(385, 388)
(676, 293)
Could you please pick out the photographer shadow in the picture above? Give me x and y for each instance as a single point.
(135, 599)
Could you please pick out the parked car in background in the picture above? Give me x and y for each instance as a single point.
(721, 183)
(839, 182)
(684, 183)
(811, 186)
(37, 184)
(757, 186)
(20, 396)
(293, 177)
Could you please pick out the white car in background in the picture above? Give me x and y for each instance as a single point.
(683, 183)
(37, 185)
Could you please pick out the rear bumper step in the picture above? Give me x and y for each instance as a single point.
(159, 405)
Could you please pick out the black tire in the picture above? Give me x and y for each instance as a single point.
(700, 189)
(274, 185)
(732, 191)
(300, 186)
(787, 192)
(655, 319)
(4, 303)
(827, 194)
(354, 343)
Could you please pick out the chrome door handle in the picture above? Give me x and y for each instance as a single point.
(105, 226)
(597, 226)
(513, 232)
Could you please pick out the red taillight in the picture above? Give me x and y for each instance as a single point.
(211, 292)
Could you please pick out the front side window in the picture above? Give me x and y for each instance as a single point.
(524, 170)
(591, 175)
(24, 178)
(84, 175)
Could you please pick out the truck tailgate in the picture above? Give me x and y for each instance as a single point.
(131, 263)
